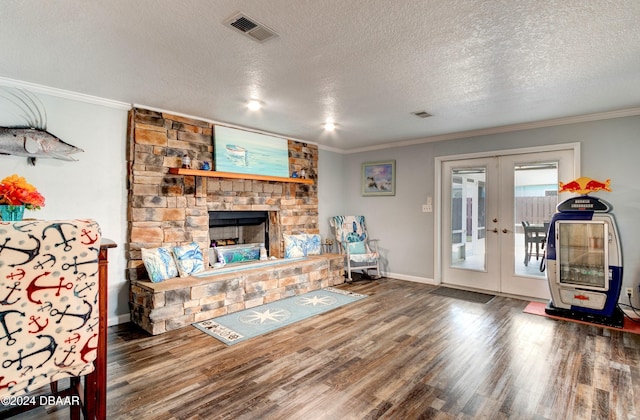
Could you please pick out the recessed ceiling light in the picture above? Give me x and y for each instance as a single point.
(329, 126)
(254, 105)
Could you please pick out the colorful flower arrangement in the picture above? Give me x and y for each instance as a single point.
(16, 191)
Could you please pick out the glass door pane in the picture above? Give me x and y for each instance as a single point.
(535, 200)
(470, 252)
(468, 214)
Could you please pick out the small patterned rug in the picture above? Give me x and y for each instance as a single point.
(239, 326)
(463, 294)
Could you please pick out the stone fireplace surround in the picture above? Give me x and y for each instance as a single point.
(170, 210)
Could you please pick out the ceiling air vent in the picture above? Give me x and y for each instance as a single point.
(422, 114)
(250, 27)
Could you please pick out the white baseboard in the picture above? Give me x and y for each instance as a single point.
(118, 319)
(414, 279)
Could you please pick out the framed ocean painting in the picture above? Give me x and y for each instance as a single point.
(246, 152)
(379, 178)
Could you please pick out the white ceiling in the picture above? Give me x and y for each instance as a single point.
(368, 64)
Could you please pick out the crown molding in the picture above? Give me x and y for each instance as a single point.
(332, 149)
(621, 113)
(61, 93)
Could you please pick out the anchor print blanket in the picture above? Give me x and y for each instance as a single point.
(48, 302)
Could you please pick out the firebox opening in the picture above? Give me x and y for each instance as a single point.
(238, 227)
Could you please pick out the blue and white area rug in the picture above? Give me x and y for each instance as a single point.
(240, 326)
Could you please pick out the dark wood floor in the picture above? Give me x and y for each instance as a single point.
(401, 353)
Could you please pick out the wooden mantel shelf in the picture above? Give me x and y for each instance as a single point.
(215, 174)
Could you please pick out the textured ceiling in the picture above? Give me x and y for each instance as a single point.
(368, 64)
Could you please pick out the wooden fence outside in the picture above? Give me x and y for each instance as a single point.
(535, 210)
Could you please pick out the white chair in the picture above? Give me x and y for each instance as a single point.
(361, 252)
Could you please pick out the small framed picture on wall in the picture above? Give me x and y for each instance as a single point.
(379, 178)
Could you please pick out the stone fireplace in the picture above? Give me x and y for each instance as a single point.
(168, 210)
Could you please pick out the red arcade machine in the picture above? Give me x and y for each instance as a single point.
(584, 258)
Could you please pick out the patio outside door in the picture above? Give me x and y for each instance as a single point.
(484, 202)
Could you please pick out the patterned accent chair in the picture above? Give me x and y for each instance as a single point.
(361, 252)
(49, 312)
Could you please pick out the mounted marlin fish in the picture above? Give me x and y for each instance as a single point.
(31, 140)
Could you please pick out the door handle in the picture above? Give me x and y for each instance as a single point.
(495, 230)
(504, 230)
(495, 220)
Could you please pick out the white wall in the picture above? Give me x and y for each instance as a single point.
(93, 187)
(330, 185)
(404, 231)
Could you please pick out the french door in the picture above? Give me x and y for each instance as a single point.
(485, 201)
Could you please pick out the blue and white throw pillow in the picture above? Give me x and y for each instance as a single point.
(313, 246)
(159, 263)
(189, 259)
(301, 245)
